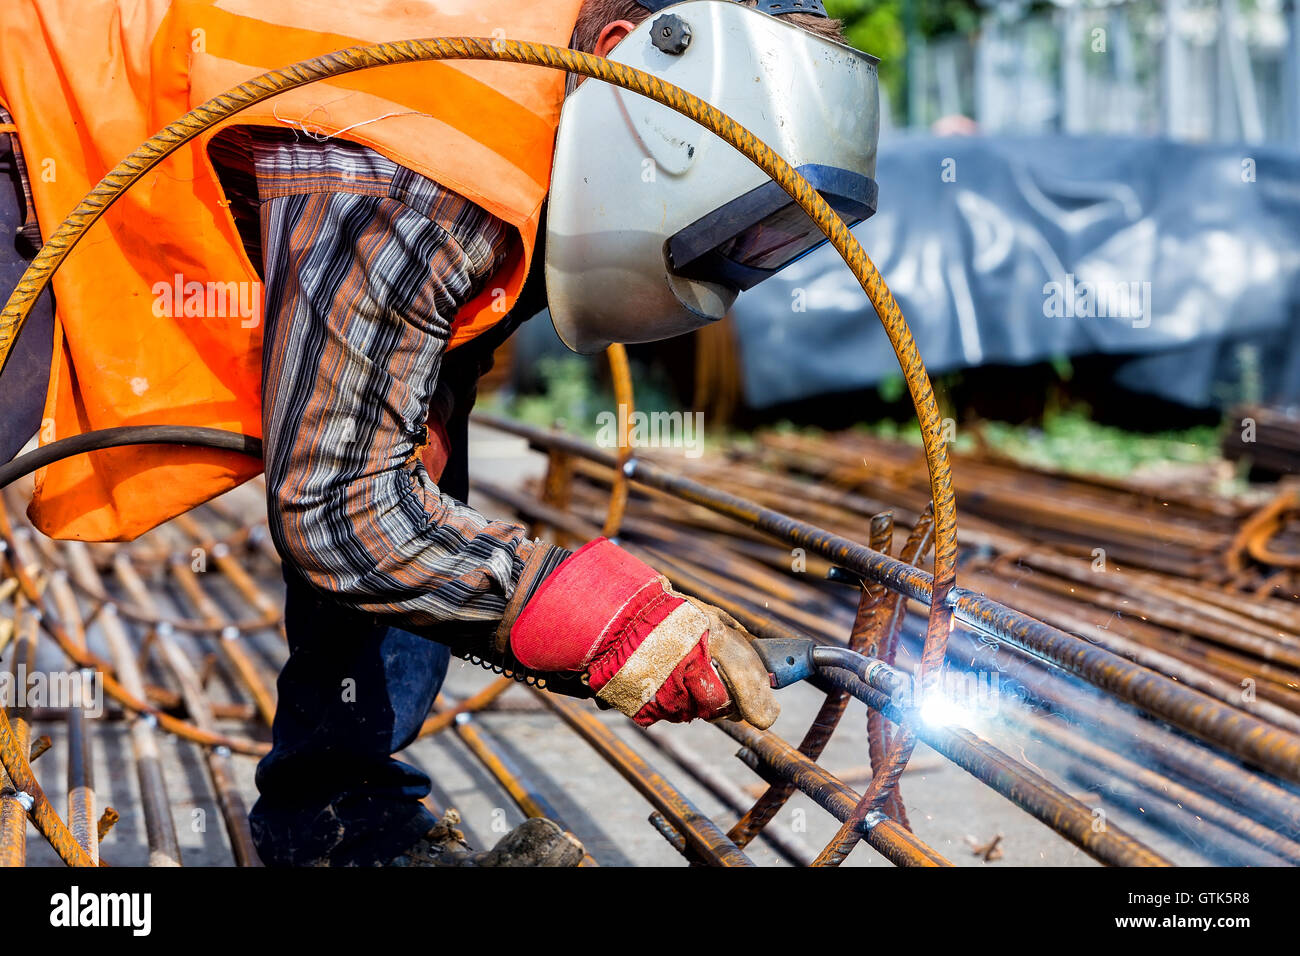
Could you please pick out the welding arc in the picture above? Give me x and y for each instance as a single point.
(223, 106)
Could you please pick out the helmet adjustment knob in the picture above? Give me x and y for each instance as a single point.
(671, 34)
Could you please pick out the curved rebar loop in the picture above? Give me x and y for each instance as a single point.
(223, 106)
(878, 728)
(828, 716)
(884, 645)
(622, 375)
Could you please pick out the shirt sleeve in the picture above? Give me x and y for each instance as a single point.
(360, 292)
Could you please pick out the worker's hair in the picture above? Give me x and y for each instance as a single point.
(595, 14)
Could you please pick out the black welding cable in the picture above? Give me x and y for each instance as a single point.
(129, 435)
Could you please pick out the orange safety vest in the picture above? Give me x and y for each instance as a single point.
(158, 307)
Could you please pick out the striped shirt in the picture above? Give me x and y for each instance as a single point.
(365, 264)
(29, 230)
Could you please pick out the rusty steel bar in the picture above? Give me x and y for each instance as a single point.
(882, 642)
(1198, 804)
(898, 845)
(222, 552)
(1143, 622)
(106, 821)
(81, 784)
(1184, 611)
(1259, 528)
(1247, 737)
(117, 689)
(1164, 811)
(221, 772)
(81, 778)
(14, 802)
(732, 794)
(622, 375)
(28, 796)
(229, 643)
(164, 847)
(1250, 792)
(869, 620)
(670, 834)
(442, 719)
(526, 795)
(886, 643)
(93, 591)
(489, 753)
(700, 833)
(1028, 790)
(555, 491)
(1225, 691)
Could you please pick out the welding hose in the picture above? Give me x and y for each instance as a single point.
(217, 438)
(161, 145)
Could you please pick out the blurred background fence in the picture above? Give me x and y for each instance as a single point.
(1195, 70)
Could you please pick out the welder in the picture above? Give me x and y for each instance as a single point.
(397, 225)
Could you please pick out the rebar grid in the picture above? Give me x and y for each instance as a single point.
(186, 669)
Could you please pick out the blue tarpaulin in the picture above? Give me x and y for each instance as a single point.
(1015, 251)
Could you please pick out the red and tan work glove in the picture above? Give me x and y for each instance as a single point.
(648, 651)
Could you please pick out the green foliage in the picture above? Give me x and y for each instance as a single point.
(892, 388)
(875, 27)
(1071, 441)
(571, 397)
(569, 400)
(1067, 439)
(880, 27)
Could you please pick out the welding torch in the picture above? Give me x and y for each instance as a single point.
(790, 660)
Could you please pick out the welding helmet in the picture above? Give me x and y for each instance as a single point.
(655, 225)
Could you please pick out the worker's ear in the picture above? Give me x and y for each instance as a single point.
(611, 35)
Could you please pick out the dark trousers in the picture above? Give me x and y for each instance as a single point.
(25, 379)
(352, 693)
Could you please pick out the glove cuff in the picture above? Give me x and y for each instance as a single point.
(538, 567)
(567, 619)
(643, 646)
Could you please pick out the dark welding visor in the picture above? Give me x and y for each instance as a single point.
(760, 232)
